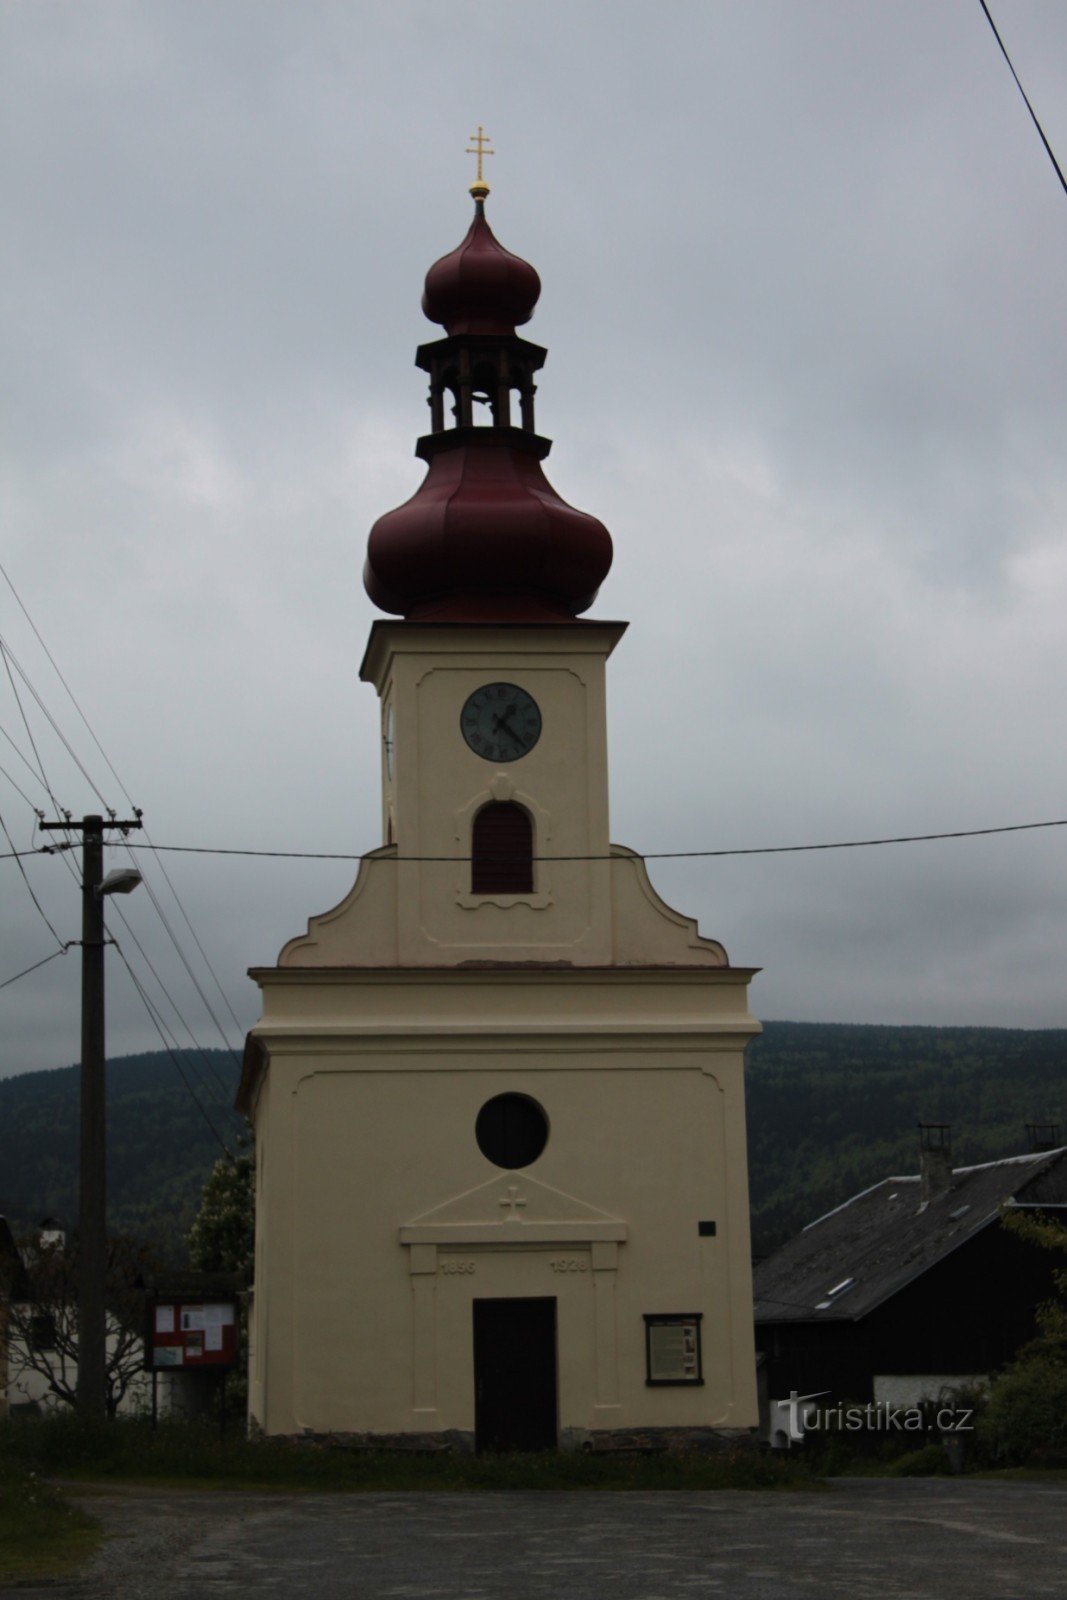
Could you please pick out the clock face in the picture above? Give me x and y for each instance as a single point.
(501, 722)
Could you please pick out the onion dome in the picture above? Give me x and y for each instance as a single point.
(481, 287)
(485, 537)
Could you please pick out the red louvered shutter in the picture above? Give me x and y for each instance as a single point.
(502, 850)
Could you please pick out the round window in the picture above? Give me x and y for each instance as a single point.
(511, 1130)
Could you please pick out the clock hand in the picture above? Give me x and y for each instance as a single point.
(501, 723)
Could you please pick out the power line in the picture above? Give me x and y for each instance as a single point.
(17, 787)
(186, 964)
(63, 681)
(26, 763)
(10, 657)
(196, 940)
(40, 772)
(111, 768)
(172, 1053)
(29, 886)
(209, 1065)
(648, 855)
(63, 852)
(1022, 91)
(43, 963)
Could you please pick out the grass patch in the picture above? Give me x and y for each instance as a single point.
(41, 1534)
(189, 1456)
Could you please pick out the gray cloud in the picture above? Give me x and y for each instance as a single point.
(802, 271)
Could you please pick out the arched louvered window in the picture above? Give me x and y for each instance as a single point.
(502, 850)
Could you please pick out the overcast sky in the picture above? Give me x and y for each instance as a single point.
(803, 271)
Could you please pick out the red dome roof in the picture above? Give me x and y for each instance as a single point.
(486, 537)
(481, 287)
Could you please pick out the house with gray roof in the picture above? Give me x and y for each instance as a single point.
(911, 1287)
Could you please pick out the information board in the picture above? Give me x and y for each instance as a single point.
(672, 1348)
(191, 1333)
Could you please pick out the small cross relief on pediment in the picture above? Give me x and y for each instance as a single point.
(521, 1209)
(513, 1202)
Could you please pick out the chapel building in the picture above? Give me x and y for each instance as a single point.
(497, 1092)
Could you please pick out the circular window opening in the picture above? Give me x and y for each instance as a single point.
(511, 1130)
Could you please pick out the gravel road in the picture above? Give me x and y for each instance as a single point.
(861, 1539)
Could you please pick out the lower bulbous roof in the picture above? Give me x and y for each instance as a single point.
(486, 537)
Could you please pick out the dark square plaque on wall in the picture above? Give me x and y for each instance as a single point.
(672, 1348)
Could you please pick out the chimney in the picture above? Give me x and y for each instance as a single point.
(1042, 1136)
(935, 1160)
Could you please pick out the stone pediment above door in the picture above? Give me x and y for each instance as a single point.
(514, 1209)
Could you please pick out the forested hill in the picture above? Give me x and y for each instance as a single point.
(160, 1142)
(832, 1108)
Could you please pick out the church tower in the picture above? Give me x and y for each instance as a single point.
(501, 1189)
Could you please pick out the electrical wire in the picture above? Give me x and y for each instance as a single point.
(29, 886)
(1026, 99)
(63, 681)
(171, 1051)
(172, 1046)
(65, 858)
(649, 855)
(40, 772)
(9, 655)
(196, 939)
(224, 1089)
(25, 762)
(69, 842)
(43, 963)
(129, 799)
(188, 967)
(17, 787)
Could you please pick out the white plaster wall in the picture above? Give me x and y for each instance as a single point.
(911, 1388)
(377, 1136)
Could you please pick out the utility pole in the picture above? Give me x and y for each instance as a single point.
(92, 1202)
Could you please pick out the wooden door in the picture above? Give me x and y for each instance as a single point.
(515, 1404)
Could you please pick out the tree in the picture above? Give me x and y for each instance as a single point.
(1026, 1417)
(1048, 1233)
(43, 1327)
(222, 1239)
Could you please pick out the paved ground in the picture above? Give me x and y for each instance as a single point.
(864, 1539)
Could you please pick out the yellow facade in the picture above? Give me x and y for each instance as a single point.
(381, 1224)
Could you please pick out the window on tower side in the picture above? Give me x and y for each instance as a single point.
(502, 850)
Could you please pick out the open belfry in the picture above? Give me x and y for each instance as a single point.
(497, 1092)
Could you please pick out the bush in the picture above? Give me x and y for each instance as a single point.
(925, 1463)
(1026, 1417)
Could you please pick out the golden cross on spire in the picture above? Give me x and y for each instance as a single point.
(479, 148)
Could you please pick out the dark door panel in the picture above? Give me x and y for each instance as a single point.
(515, 1375)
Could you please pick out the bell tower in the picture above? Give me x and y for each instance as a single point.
(491, 570)
(502, 1073)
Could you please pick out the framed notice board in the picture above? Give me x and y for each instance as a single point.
(191, 1334)
(672, 1348)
